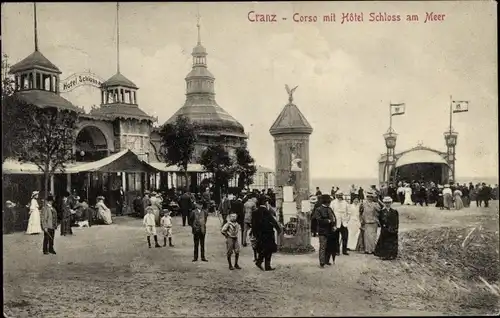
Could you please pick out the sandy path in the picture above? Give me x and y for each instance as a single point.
(109, 271)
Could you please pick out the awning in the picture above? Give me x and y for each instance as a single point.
(420, 156)
(192, 167)
(262, 169)
(12, 166)
(123, 161)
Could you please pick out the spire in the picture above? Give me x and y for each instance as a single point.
(35, 26)
(117, 37)
(198, 24)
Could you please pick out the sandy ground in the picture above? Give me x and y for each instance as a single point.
(108, 271)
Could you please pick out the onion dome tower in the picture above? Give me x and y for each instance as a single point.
(132, 126)
(215, 125)
(36, 79)
(291, 132)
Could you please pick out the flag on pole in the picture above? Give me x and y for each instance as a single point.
(397, 109)
(459, 106)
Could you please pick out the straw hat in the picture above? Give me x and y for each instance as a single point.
(447, 185)
(370, 194)
(34, 193)
(387, 200)
(339, 193)
(100, 198)
(146, 192)
(313, 199)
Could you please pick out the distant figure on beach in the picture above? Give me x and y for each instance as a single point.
(440, 202)
(447, 197)
(457, 195)
(408, 195)
(318, 192)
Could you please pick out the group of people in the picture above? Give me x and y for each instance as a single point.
(246, 216)
(340, 228)
(425, 193)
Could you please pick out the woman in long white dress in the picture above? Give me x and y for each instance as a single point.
(353, 225)
(459, 204)
(103, 212)
(34, 225)
(408, 192)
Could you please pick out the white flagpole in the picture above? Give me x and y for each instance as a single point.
(390, 116)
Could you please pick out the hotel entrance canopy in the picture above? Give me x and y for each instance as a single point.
(123, 161)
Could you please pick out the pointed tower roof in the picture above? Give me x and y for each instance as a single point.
(34, 60)
(290, 121)
(119, 80)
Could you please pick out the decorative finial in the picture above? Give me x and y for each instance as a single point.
(35, 26)
(117, 37)
(198, 23)
(420, 143)
(290, 92)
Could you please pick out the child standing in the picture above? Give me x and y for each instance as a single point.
(149, 222)
(231, 230)
(166, 226)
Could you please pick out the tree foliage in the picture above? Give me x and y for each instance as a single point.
(216, 160)
(177, 142)
(245, 167)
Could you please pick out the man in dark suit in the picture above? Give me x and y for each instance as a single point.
(198, 223)
(120, 200)
(185, 205)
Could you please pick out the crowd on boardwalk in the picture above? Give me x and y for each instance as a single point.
(342, 223)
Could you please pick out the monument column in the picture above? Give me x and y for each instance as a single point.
(291, 132)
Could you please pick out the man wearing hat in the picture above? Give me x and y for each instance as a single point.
(49, 225)
(186, 206)
(66, 215)
(327, 224)
(340, 208)
(387, 245)
(315, 202)
(198, 223)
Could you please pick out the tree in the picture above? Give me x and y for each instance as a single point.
(41, 135)
(177, 143)
(216, 160)
(245, 167)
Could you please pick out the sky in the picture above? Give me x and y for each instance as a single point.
(347, 73)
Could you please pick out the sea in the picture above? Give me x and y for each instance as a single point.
(344, 184)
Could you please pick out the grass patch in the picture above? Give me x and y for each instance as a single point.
(464, 262)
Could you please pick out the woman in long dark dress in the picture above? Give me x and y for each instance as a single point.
(439, 201)
(66, 216)
(263, 226)
(387, 245)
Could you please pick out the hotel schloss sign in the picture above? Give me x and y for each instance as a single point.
(80, 79)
